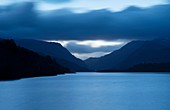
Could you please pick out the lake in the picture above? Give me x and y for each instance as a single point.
(88, 91)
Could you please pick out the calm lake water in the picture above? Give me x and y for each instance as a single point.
(88, 91)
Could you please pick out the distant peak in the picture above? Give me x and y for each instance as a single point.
(132, 8)
(101, 11)
(91, 58)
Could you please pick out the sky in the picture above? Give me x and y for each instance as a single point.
(86, 5)
(87, 28)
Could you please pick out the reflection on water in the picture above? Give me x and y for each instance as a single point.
(88, 91)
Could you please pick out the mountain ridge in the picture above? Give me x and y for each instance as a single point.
(56, 51)
(135, 52)
(18, 62)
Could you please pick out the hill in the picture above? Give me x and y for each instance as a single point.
(18, 62)
(56, 51)
(133, 53)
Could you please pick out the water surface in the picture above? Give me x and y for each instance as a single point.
(88, 91)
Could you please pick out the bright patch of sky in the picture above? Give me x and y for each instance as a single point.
(91, 43)
(99, 43)
(86, 5)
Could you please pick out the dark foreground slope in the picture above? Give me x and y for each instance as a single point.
(17, 62)
(134, 53)
(55, 50)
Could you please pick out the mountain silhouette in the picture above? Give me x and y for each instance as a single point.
(18, 62)
(133, 53)
(132, 9)
(151, 67)
(55, 50)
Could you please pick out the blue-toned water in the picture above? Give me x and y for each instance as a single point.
(88, 91)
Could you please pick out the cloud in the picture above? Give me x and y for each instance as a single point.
(17, 16)
(77, 48)
(57, 1)
(23, 21)
(92, 47)
(47, 1)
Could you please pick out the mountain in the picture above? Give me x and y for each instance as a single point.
(133, 53)
(55, 50)
(17, 62)
(132, 9)
(151, 67)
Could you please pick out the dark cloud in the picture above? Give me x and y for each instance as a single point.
(17, 16)
(76, 48)
(23, 21)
